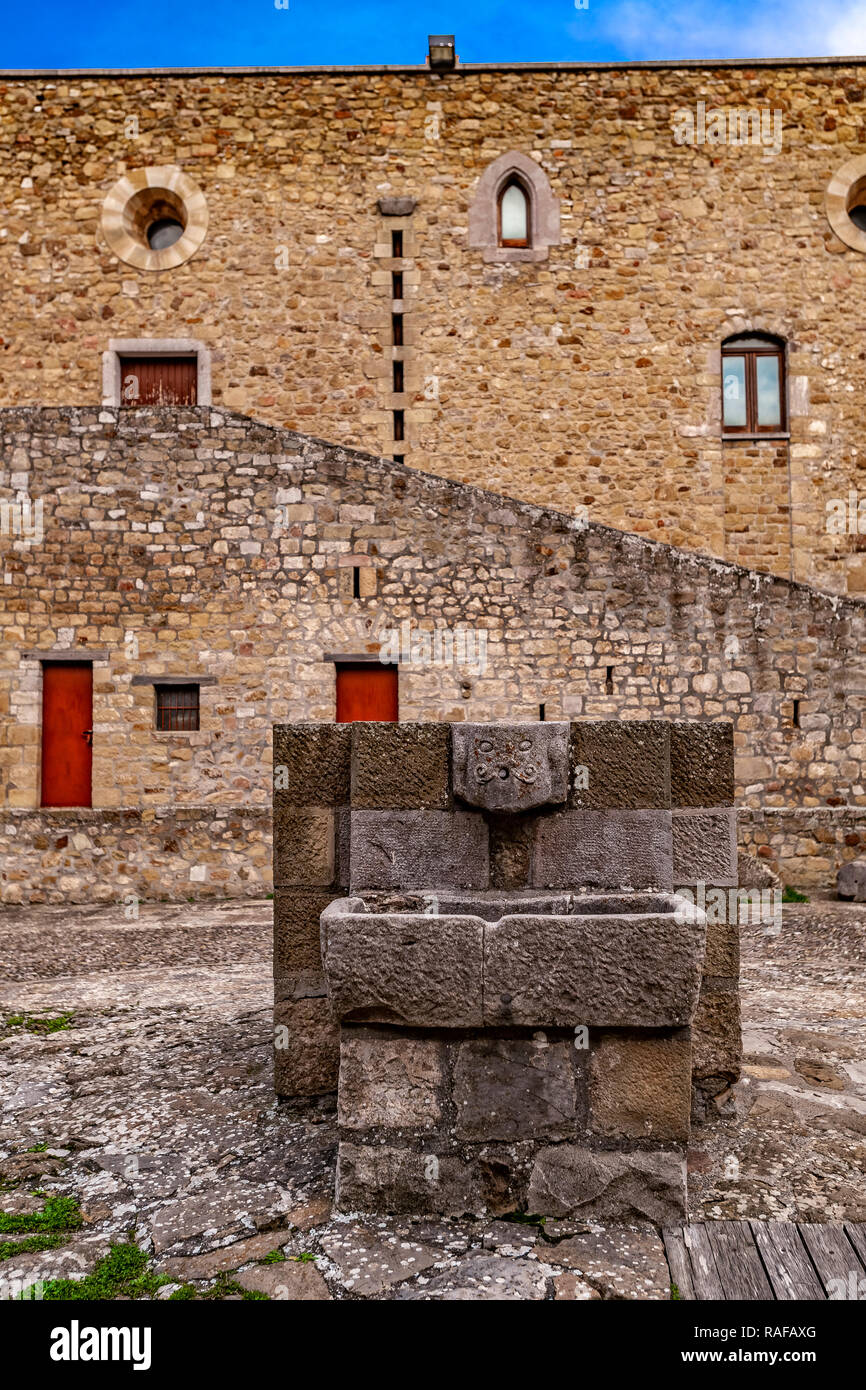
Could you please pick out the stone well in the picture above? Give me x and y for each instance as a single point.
(514, 999)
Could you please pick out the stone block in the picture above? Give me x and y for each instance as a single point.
(723, 946)
(620, 1262)
(418, 971)
(568, 1180)
(297, 945)
(389, 1080)
(306, 1048)
(615, 969)
(375, 1177)
(400, 766)
(705, 846)
(716, 1036)
(851, 881)
(510, 767)
(702, 764)
(304, 854)
(603, 849)
(640, 1087)
(316, 759)
(418, 849)
(510, 851)
(627, 762)
(515, 1088)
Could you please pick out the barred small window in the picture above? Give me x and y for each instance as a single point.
(177, 707)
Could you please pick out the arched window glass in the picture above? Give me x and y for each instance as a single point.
(753, 384)
(513, 215)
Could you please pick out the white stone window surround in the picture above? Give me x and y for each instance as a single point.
(154, 347)
(543, 210)
(847, 189)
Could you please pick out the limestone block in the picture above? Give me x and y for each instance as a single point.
(419, 971)
(514, 1088)
(389, 1080)
(304, 854)
(626, 970)
(640, 1087)
(306, 1048)
(400, 766)
(627, 763)
(316, 758)
(702, 764)
(705, 846)
(418, 849)
(510, 767)
(603, 849)
(568, 1180)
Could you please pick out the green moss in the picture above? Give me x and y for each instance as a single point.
(8, 1248)
(675, 1293)
(58, 1214)
(273, 1257)
(185, 1291)
(39, 1025)
(792, 895)
(123, 1271)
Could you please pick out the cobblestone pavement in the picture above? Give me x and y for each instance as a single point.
(153, 1107)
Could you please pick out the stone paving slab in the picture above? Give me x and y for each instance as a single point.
(156, 1109)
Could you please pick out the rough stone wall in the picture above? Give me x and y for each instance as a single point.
(213, 852)
(590, 378)
(133, 856)
(196, 542)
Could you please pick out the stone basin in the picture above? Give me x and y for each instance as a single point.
(499, 959)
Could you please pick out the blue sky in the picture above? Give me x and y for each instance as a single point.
(96, 33)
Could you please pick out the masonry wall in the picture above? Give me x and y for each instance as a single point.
(200, 543)
(589, 379)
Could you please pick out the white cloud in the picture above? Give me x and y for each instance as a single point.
(771, 29)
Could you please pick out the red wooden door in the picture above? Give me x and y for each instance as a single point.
(158, 380)
(67, 730)
(366, 690)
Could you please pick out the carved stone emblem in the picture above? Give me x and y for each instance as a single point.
(510, 767)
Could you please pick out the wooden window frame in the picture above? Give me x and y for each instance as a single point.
(522, 243)
(750, 356)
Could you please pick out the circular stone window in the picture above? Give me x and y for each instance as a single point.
(846, 203)
(155, 219)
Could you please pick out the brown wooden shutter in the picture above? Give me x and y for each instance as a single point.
(158, 381)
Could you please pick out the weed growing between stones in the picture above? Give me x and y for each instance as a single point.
(122, 1273)
(34, 1024)
(58, 1214)
(9, 1248)
(793, 895)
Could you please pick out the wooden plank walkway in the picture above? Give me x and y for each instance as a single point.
(764, 1260)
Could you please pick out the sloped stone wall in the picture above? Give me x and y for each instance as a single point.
(195, 542)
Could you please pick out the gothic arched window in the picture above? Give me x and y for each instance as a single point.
(514, 219)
